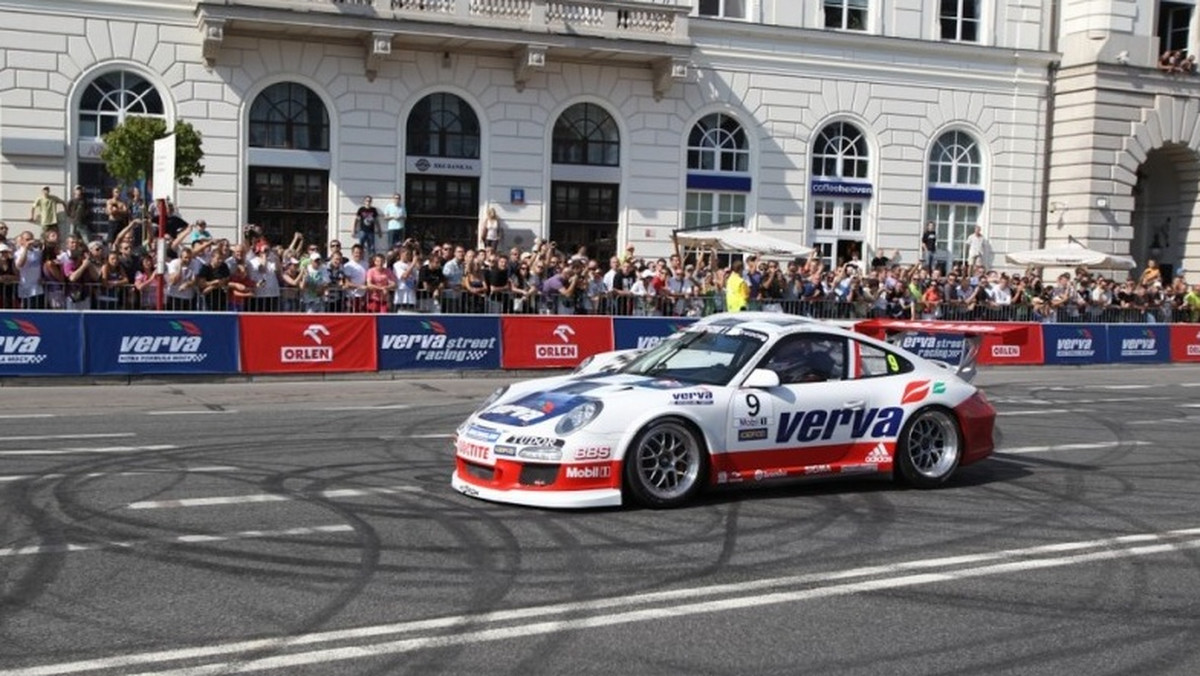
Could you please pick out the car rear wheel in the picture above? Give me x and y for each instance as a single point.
(665, 465)
(929, 449)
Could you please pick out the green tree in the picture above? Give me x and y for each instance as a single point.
(128, 153)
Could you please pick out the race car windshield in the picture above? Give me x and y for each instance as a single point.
(703, 357)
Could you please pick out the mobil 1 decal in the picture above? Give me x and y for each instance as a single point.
(751, 417)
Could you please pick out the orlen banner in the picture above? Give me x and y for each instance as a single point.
(1185, 342)
(41, 344)
(548, 341)
(1075, 343)
(1138, 343)
(639, 333)
(438, 342)
(1022, 346)
(140, 342)
(307, 343)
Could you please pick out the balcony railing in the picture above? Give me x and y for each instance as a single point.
(652, 20)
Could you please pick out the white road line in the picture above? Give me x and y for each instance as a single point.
(391, 407)
(193, 412)
(44, 437)
(187, 539)
(1076, 388)
(1187, 405)
(1071, 447)
(1190, 420)
(82, 449)
(523, 622)
(442, 435)
(8, 416)
(1044, 411)
(94, 475)
(270, 497)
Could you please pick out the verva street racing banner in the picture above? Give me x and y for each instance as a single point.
(438, 342)
(141, 342)
(41, 344)
(640, 333)
(308, 343)
(548, 341)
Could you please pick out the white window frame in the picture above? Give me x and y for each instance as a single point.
(960, 20)
(726, 9)
(847, 7)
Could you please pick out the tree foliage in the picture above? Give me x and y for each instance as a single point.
(128, 153)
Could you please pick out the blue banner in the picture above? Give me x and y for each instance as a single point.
(41, 344)
(140, 342)
(1139, 343)
(942, 347)
(1075, 343)
(437, 342)
(630, 333)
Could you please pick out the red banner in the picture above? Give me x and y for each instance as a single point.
(307, 343)
(537, 342)
(1185, 342)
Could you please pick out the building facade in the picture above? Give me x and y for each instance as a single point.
(843, 125)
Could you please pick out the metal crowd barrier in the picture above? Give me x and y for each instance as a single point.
(121, 296)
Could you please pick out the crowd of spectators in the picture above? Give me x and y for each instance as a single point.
(1177, 62)
(114, 268)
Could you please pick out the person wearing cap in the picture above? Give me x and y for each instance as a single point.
(200, 231)
(44, 211)
(313, 283)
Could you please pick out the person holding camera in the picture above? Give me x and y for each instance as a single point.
(29, 266)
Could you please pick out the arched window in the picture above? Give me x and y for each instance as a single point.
(955, 196)
(718, 143)
(443, 125)
(586, 134)
(840, 152)
(954, 160)
(111, 97)
(289, 115)
(718, 159)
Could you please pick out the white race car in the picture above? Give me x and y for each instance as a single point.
(734, 398)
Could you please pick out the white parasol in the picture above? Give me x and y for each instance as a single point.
(1073, 254)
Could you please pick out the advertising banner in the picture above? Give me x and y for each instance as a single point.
(547, 341)
(639, 333)
(1075, 343)
(1138, 343)
(1021, 346)
(441, 342)
(41, 344)
(946, 348)
(1185, 342)
(307, 343)
(139, 342)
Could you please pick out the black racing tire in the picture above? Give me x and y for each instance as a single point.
(666, 465)
(929, 449)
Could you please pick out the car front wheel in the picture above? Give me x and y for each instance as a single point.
(929, 449)
(665, 465)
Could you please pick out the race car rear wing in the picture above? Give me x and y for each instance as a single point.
(955, 344)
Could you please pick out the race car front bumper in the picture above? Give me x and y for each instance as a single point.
(558, 499)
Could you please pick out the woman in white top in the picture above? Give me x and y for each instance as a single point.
(406, 268)
(489, 229)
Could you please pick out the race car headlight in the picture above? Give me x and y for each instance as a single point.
(492, 398)
(579, 416)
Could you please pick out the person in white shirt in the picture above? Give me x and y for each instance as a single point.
(978, 250)
(264, 272)
(407, 269)
(29, 266)
(356, 280)
(395, 214)
(181, 282)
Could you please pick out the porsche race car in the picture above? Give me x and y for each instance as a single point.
(733, 399)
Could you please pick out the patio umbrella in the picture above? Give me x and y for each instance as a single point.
(1071, 255)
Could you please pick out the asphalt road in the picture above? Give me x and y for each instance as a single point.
(308, 528)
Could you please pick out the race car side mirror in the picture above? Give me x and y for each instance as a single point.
(762, 379)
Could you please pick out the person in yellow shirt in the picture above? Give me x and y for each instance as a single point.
(737, 291)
